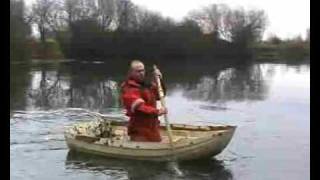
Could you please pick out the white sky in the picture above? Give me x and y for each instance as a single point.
(287, 18)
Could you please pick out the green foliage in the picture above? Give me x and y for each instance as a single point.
(290, 49)
(48, 50)
(294, 50)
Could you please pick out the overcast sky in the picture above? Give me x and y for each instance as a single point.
(287, 18)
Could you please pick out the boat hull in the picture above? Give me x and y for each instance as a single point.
(208, 145)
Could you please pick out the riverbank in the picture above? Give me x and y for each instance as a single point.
(49, 50)
(289, 51)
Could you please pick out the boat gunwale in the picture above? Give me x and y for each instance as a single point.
(165, 146)
(173, 126)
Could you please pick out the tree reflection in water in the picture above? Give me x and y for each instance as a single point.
(50, 90)
(19, 82)
(96, 87)
(241, 83)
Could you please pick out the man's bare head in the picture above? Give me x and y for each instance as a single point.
(136, 64)
(137, 71)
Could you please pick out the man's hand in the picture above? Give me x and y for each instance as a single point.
(162, 111)
(157, 73)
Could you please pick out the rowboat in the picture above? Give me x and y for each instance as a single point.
(109, 138)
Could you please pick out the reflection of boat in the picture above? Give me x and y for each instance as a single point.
(109, 138)
(131, 169)
(120, 168)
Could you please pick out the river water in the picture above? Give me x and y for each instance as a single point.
(269, 103)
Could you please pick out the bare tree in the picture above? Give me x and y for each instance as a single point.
(48, 17)
(106, 13)
(242, 26)
(212, 19)
(20, 31)
(102, 11)
(127, 15)
(80, 9)
(40, 12)
(233, 25)
(149, 21)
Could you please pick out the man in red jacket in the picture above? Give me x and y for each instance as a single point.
(139, 99)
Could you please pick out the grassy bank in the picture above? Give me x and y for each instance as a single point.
(49, 50)
(282, 51)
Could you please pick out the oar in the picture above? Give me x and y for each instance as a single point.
(163, 104)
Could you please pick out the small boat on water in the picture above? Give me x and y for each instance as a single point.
(109, 138)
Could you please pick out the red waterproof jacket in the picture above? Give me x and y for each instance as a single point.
(139, 101)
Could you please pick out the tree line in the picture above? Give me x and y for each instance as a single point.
(20, 31)
(103, 29)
